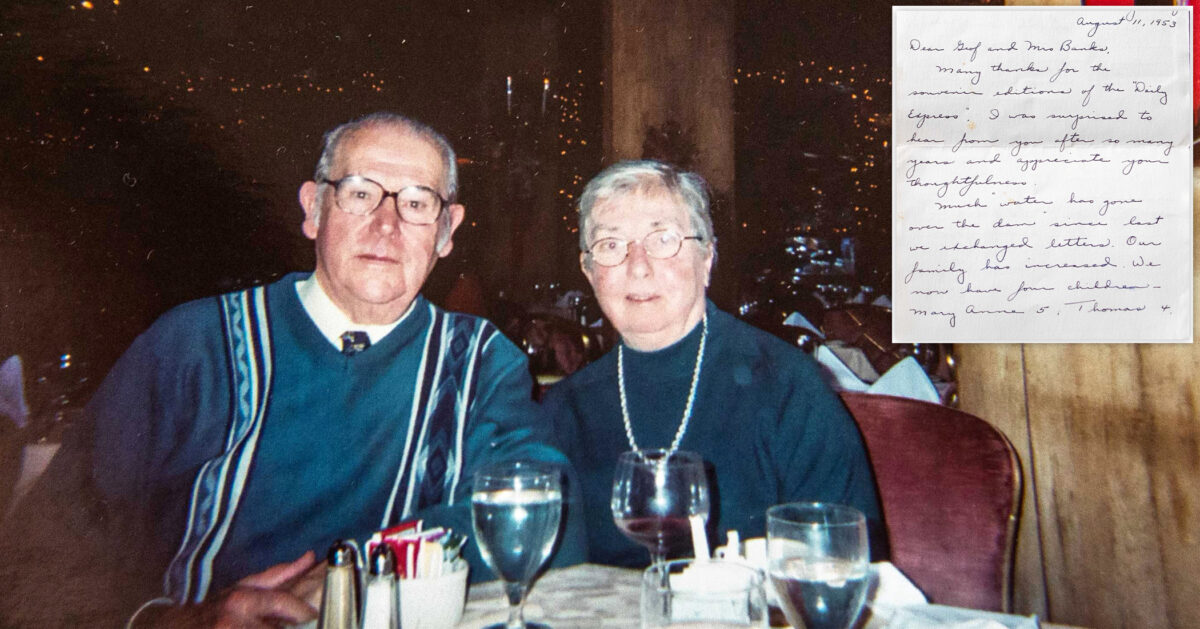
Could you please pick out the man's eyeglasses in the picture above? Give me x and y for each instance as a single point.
(419, 205)
(660, 244)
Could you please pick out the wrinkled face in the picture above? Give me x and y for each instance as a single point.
(373, 266)
(651, 302)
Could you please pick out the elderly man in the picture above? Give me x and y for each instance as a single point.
(687, 375)
(240, 433)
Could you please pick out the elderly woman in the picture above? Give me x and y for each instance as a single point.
(687, 375)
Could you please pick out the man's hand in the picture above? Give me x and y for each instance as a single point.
(278, 596)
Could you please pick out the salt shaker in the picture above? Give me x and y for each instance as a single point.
(382, 609)
(339, 606)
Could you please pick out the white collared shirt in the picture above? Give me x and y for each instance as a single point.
(330, 319)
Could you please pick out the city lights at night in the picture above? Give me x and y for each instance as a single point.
(161, 146)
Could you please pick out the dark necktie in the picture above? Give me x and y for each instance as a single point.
(354, 341)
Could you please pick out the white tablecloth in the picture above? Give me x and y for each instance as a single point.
(589, 596)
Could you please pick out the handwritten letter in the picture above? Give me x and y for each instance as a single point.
(1042, 168)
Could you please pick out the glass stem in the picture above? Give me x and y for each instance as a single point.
(659, 558)
(516, 604)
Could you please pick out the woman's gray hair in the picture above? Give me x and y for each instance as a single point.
(333, 144)
(648, 177)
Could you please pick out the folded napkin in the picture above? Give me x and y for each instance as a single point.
(856, 359)
(838, 374)
(942, 617)
(895, 603)
(892, 588)
(797, 320)
(907, 379)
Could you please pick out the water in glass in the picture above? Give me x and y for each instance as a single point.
(818, 563)
(516, 509)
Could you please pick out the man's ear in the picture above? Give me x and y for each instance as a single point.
(308, 201)
(457, 212)
(583, 266)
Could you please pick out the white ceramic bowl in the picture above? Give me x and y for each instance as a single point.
(434, 602)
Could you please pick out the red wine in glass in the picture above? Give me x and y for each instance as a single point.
(660, 534)
(655, 492)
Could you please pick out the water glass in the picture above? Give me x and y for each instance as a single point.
(819, 563)
(703, 594)
(515, 510)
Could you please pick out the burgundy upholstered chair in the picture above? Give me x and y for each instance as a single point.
(950, 487)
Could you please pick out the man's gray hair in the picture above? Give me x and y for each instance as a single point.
(335, 137)
(648, 177)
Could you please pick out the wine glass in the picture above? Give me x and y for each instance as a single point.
(515, 511)
(818, 561)
(655, 492)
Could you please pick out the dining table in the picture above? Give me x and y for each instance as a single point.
(586, 596)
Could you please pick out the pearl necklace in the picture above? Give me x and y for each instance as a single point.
(687, 411)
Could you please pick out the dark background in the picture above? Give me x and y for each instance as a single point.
(150, 152)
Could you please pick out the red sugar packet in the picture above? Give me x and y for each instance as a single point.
(406, 540)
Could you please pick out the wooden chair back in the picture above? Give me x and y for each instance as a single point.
(950, 488)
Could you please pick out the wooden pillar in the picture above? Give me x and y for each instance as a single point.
(670, 63)
(671, 60)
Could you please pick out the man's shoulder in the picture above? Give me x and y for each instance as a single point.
(463, 317)
(190, 317)
(200, 319)
(488, 333)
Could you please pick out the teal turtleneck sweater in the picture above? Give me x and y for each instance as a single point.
(768, 427)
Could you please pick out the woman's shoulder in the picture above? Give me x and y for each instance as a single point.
(764, 352)
(752, 340)
(585, 381)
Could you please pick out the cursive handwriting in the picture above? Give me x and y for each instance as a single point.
(913, 163)
(960, 275)
(966, 183)
(1072, 265)
(969, 141)
(1091, 305)
(1095, 24)
(1032, 164)
(1130, 163)
(1166, 144)
(1026, 289)
(922, 117)
(1075, 118)
(1111, 202)
(1107, 285)
(1027, 90)
(1037, 175)
(1077, 241)
(1002, 248)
